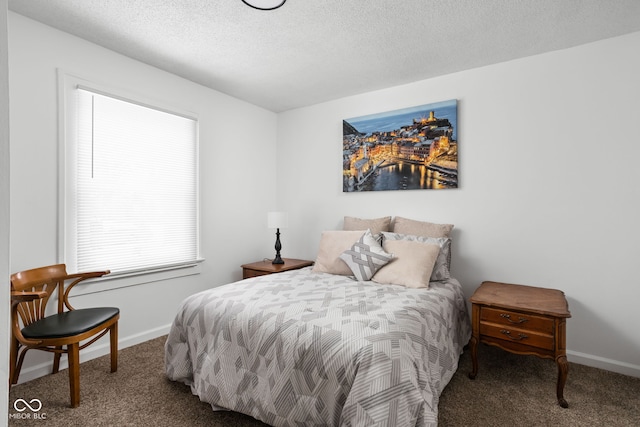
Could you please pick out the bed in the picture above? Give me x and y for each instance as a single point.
(312, 347)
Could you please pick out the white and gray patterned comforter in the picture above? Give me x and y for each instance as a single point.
(305, 348)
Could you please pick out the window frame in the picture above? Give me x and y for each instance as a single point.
(67, 84)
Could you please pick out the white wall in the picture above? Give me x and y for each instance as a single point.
(237, 154)
(4, 216)
(548, 183)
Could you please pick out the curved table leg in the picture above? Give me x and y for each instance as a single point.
(563, 370)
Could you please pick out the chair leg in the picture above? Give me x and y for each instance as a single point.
(56, 360)
(113, 339)
(13, 360)
(73, 352)
(18, 368)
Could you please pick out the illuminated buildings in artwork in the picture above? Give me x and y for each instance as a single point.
(426, 142)
(438, 147)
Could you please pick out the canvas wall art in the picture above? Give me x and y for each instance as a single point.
(407, 149)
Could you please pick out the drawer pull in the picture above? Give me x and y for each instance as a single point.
(508, 317)
(520, 336)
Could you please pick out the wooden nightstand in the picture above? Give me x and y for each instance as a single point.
(523, 320)
(261, 268)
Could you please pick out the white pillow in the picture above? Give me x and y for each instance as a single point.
(412, 264)
(332, 244)
(365, 257)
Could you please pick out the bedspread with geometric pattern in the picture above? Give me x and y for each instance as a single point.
(305, 348)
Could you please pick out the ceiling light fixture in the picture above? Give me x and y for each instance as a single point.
(264, 4)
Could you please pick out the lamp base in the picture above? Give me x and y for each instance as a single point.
(277, 259)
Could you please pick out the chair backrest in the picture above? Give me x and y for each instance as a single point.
(43, 279)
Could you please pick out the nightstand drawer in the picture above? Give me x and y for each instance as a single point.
(246, 273)
(521, 336)
(512, 319)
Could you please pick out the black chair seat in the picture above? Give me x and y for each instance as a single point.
(69, 323)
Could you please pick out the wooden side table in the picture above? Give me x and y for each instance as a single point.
(523, 320)
(261, 268)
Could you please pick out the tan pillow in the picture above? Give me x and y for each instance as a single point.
(376, 225)
(412, 264)
(332, 244)
(421, 228)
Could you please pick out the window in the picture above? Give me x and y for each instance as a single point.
(130, 184)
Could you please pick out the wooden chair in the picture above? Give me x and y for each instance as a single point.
(61, 332)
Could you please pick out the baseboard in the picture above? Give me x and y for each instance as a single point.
(604, 363)
(98, 349)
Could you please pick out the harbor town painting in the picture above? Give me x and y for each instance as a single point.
(408, 149)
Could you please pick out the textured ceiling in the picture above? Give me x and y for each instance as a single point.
(308, 52)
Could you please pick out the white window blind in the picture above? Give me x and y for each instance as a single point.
(135, 199)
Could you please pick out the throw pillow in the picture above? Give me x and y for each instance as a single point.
(366, 257)
(412, 264)
(332, 244)
(442, 267)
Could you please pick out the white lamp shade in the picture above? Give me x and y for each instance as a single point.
(277, 220)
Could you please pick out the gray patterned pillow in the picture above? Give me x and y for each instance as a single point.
(443, 262)
(366, 257)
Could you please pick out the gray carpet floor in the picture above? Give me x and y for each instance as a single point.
(510, 390)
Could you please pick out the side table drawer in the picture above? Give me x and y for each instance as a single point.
(520, 336)
(513, 319)
(247, 273)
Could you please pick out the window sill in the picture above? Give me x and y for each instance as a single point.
(125, 280)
